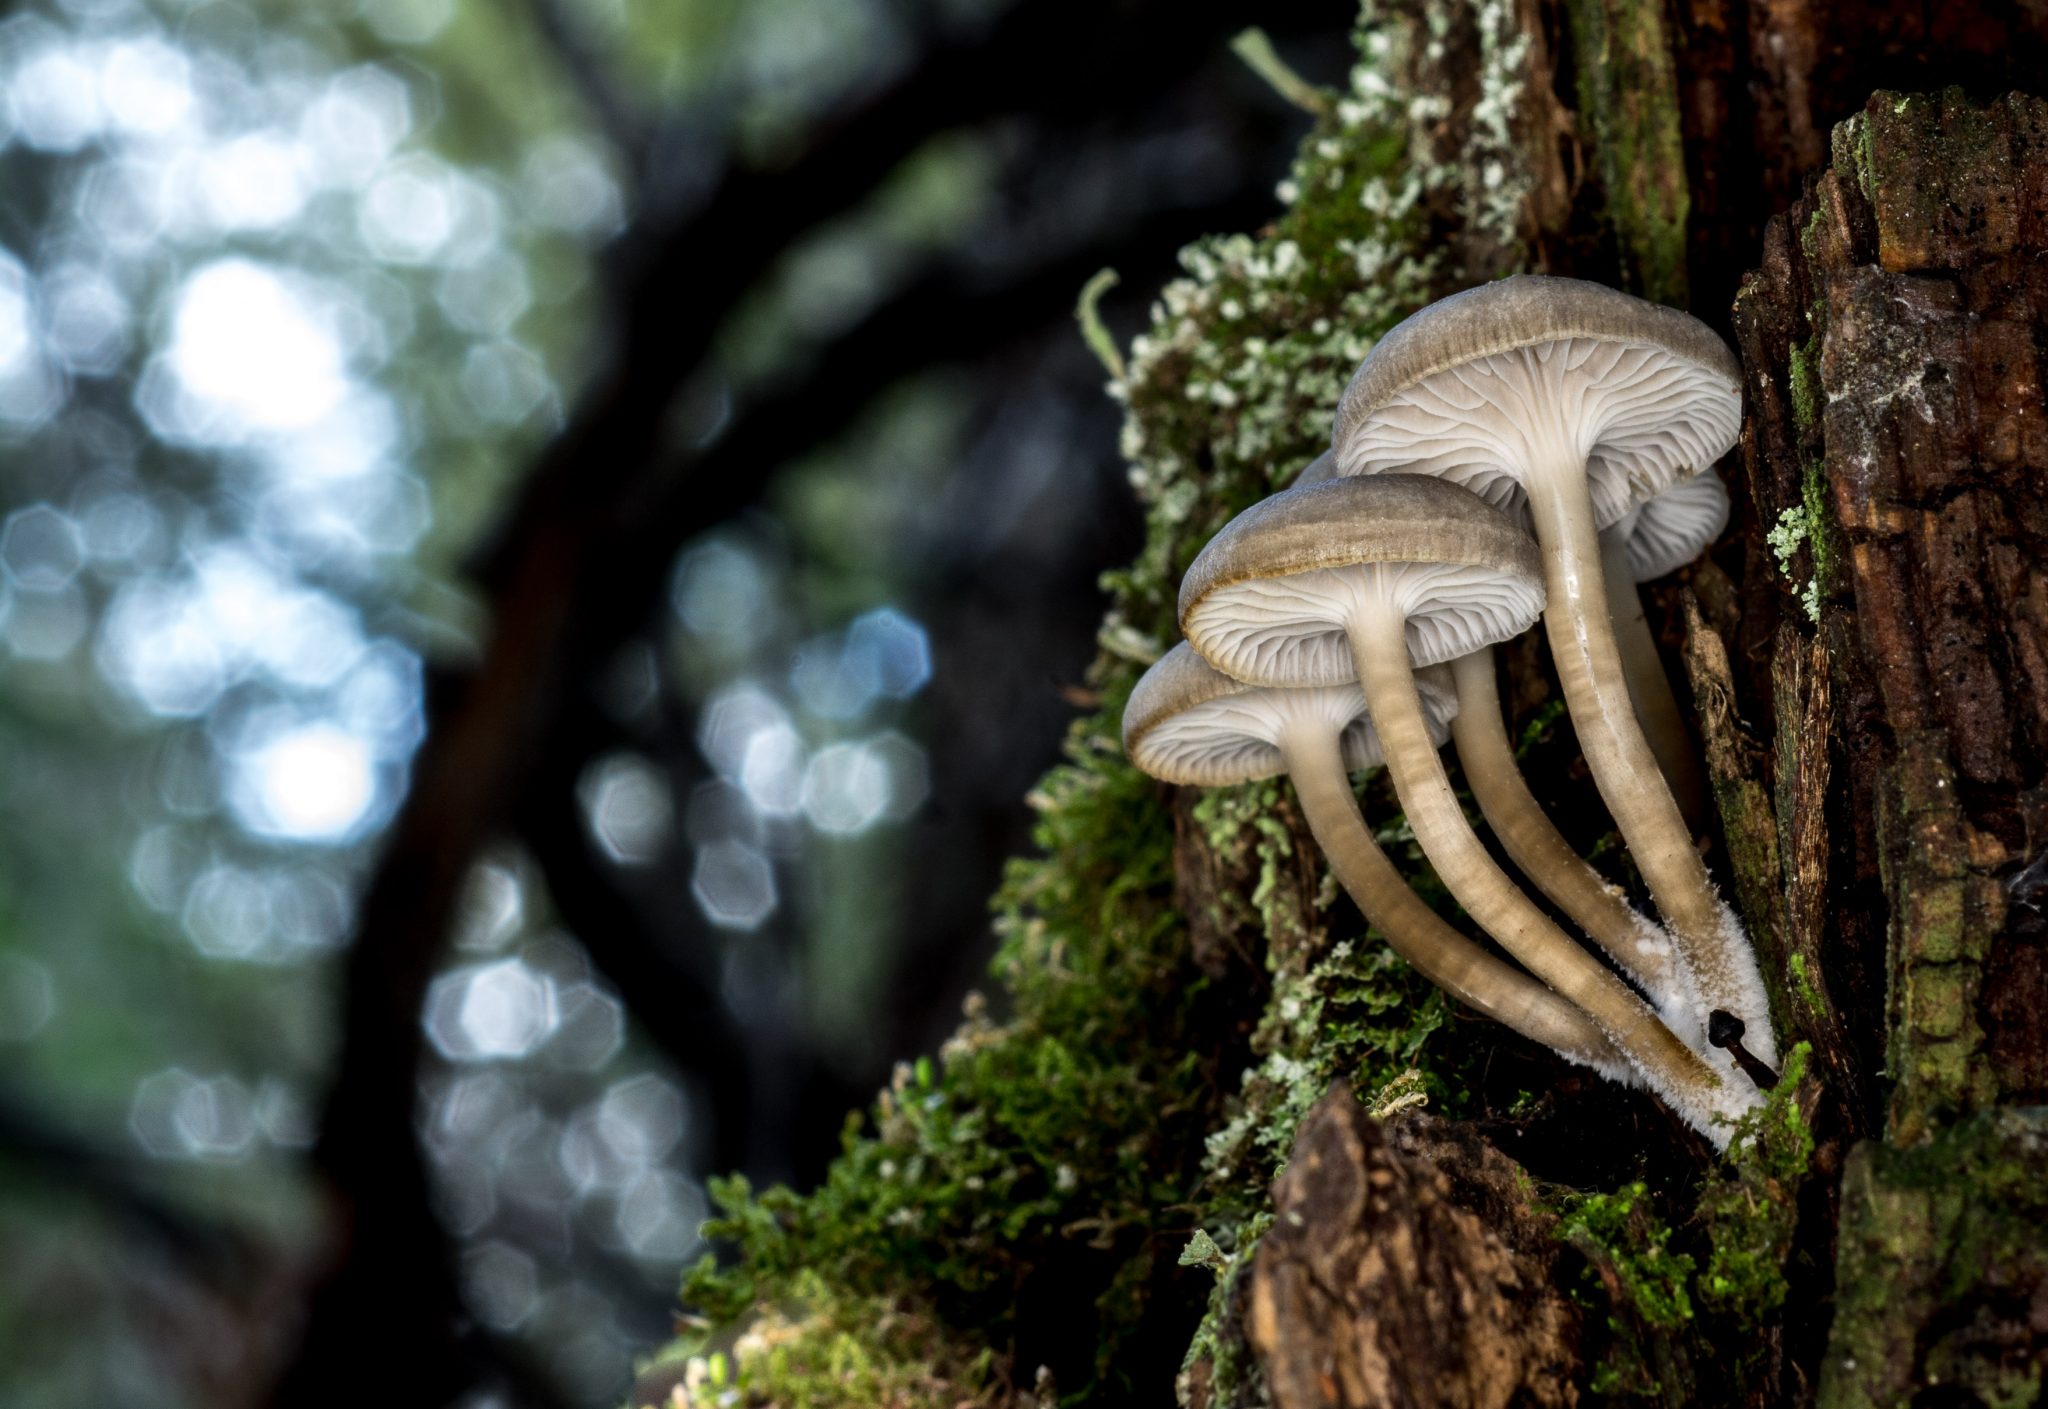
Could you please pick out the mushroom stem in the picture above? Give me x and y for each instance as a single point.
(1536, 846)
(1379, 645)
(1649, 686)
(1417, 933)
(1581, 633)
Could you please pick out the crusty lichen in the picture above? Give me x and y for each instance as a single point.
(1793, 531)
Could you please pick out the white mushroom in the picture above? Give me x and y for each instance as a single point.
(1571, 402)
(1368, 579)
(1658, 536)
(1189, 724)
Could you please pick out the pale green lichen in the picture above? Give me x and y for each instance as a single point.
(1792, 532)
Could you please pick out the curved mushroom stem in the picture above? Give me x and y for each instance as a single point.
(1674, 1070)
(1545, 857)
(1581, 634)
(1649, 686)
(1417, 933)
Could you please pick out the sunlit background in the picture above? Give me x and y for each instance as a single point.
(290, 295)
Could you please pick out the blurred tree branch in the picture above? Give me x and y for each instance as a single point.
(622, 123)
(74, 1165)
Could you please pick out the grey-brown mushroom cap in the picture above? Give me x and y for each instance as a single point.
(1680, 392)
(1673, 528)
(1323, 467)
(1188, 723)
(1269, 599)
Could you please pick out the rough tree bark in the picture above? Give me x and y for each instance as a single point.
(1894, 336)
(1438, 1286)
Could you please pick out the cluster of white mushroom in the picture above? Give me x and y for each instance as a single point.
(1350, 620)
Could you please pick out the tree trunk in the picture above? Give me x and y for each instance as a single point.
(1878, 749)
(1893, 337)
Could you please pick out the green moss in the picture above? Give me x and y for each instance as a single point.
(1802, 985)
(1749, 1214)
(1805, 378)
(1809, 234)
(1628, 98)
(1824, 535)
(1725, 1265)
(1635, 1276)
(821, 1349)
(1620, 1232)
(1935, 1240)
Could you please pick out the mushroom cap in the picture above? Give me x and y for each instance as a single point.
(1189, 723)
(1672, 529)
(1479, 385)
(1323, 467)
(1270, 598)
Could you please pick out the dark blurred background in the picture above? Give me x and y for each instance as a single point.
(544, 545)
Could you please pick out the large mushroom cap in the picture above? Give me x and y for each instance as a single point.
(1189, 723)
(1269, 600)
(1675, 527)
(1478, 386)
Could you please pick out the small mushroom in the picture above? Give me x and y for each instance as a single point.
(1369, 579)
(1534, 844)
(1189, 724)
(1570, 402)
(1658, 536)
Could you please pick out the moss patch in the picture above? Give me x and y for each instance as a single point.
(1941, 1245)
(1668, 1277)
(1628, 98)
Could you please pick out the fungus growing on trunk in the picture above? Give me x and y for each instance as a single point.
(1369, 579)
(1534, 844)
(1573, 402)
(1190, 724)
(1658, 536)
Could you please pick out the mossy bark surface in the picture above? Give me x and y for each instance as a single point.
(1911, 278)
